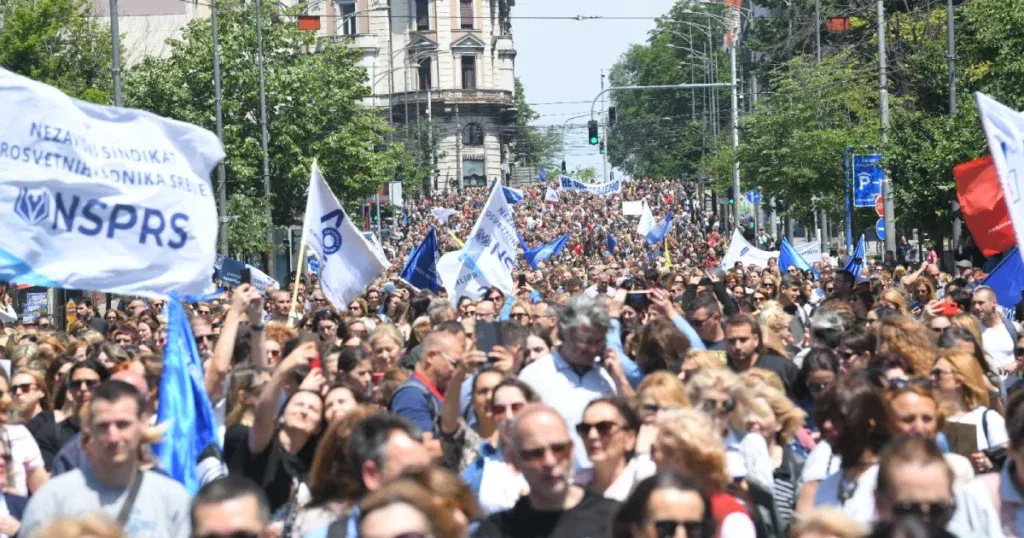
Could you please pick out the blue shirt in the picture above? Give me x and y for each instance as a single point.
(414, 404)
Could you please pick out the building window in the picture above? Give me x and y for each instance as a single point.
(473, 173)
(422, 15)
(424, 73)
(347, 17)
(469, 72)
(472, 135)
(466, 10)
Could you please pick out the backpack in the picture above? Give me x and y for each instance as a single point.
(435, 413)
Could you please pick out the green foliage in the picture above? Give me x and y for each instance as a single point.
(313, 100)
(534, 146)
(586, 175)
(60, 43)
(247, 231)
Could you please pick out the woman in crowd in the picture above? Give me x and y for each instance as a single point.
(660, 505)
(538, 344)
(609, 432)
(276, 334)
(908, 338)
(340, 398)
(522, 312)
(777, 338)
(661, 346)
(355, 368)
(893, 299)
(52, 429)
(26, 465)
(386, 344)
(923, 292)
(245, 384)
(817, 373)
(856, 348)
(914, 481)
(28, 388)
(863, 426)
(963, 393)
(960, 338)
(659, 393)
(688, 443)
(448, 490)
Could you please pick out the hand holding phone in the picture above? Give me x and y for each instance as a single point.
(488, 335)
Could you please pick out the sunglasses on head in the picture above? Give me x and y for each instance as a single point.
(938, 513)
(604, 428)
(559, 450)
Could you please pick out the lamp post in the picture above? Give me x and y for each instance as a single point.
(883, 103)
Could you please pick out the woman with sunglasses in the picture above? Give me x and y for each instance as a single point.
(26, 466)
(962, 389)
(660, 505)
(817, 373)
(659, 393)
(53, 429)
(609, 431)
(522, 313)
(688, 444)
(28, 388)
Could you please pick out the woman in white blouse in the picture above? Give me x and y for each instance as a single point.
(26, 467)
(961, 387)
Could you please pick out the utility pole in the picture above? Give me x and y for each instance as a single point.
(115, 53)
(951, 58)
(735, 131)
(822, 217)
(883, 103)
(604, 156)
(265, 138)
(222, 184)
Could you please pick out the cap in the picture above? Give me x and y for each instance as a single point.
(964, 264)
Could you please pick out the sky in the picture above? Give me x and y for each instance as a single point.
(560, 61)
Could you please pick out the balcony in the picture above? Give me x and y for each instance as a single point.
(463, 97)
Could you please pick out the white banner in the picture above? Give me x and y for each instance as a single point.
(740, 250)
(632, 209)
(570, 184)
(489, 255)
(261, 280)
(550, 195)
(103, 198)
(1003, 129)
(348, 263)
(810, 252)
(646, 219)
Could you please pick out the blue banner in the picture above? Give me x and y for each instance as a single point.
(570, 184)
(611, 243)
(421, 269)
(228, 270)
(788, 256)
(544, 251)
(1007, 281)
(867, 179)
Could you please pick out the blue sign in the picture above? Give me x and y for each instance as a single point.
(867, 179)
(754, 197)
(880, 229)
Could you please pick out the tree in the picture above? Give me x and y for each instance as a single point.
(60, 43)
(534, 145)
(314, 108)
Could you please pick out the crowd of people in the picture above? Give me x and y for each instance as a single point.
(635, 391)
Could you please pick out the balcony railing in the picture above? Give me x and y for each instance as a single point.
(486, 97)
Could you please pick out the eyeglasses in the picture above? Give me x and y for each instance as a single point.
(501, 409)
(204, 312)
(200, 338)
(604, 428)
(319, 301)
(519, 315)
(22, 387)
(83, 384)
(711, 406)
(759, 298)
(666, 528)
(559, 450)
(900, 383)
(698, 322)
(937, 513)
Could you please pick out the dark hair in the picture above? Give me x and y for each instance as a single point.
(228, 488)
(846, 275)
(528, 392)
(661, 346)
(57, 392)
(370, 437)
(862, 416)
(746, 320)
(633, 512)
(420, 303)
(349, 358)
(514, 334)
(113, 390)
(788, 281)
(706, 300)
(629, 415)
(358, 395)
(817, 359)
(88, 364)
(859, 339)
(953, 335)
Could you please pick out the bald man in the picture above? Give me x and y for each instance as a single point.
(420, 399)
(541, 449)
(998, 336)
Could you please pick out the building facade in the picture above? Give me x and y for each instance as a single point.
(449, 61)
(146, 25)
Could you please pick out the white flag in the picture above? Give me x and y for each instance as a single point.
(740, 250)
(1003, 128)
(551, 195)
(347, 262)
(646, 220)
(103, 198)
(489, 255)
(443, 214)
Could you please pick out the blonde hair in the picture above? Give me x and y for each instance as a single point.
(755, 377)
(969, 373)
(895, 298)
(706, 359)
(689, 442)
(665, 388)
(87, 526)
(828, 521)
(909, 339)
(714, 379)
(968, 323)
(386, 330)
(774, 321)
(525, 305)
(788, 415)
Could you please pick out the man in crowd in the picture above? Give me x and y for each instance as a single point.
(789, 300)
(145, 503)
(704, 314)
(420, 399)
(998, 336)
(486, 311)
(743, 347)
(280, 304)
(232, 506)
(86, 313)
(842, 283)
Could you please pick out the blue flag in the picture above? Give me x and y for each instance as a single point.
(543, 174)
(184, 404)
(405, 218)
(421, 268)
(857, 260)
(1007, 280)
(788, 256)
(512, 196)
(544, 251)
(660, 230)
(611, 243)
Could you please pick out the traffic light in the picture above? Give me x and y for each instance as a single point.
(563, 166)
(611, 115)
(592, 131)
(732, 196)
(601, 147)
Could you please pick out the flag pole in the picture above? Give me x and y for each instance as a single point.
(295, 282)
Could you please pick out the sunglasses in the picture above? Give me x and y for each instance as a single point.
(236, 534)
(22, 387)
(274, 353)
(712, 406)
(519, 315)
(936, 513)
(83, 384)
(559, 450)
(204, 338)
(604, 428)
(500, 409)
(666, 528)
(902, 383)
(939, 372)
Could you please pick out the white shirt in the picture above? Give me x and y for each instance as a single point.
(561, 387)
(998, 345)
(500, 486)
(995, 423)
(638, 468)
(860, 505)
(820, 463)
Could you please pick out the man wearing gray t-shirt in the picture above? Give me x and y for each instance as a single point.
(160, 507)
